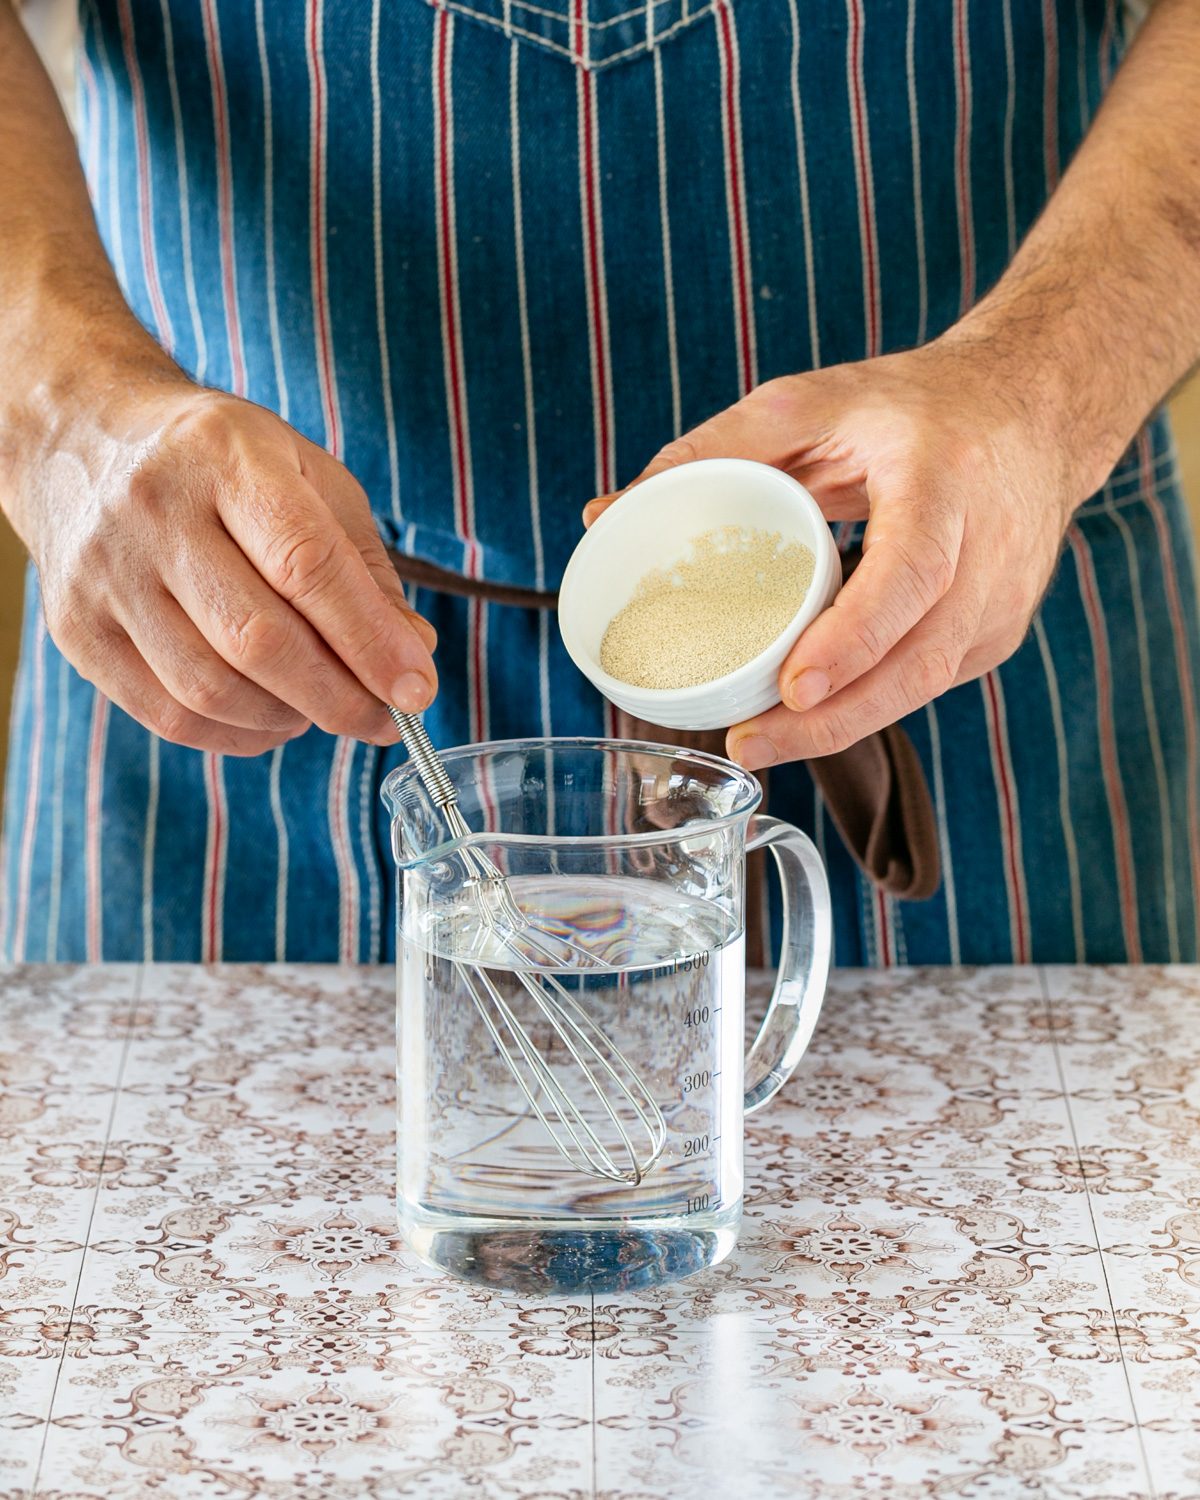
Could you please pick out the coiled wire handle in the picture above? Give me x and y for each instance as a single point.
(426, 759)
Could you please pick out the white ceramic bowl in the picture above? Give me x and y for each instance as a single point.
(652, 526)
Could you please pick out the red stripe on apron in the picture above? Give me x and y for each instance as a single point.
(1050, 90)
(593, 233)
(962, 154)
(95, 777)
(343, 758)
(214, 863)
(1009, 829)
(214, 874)
(885, 936)
(348, 913)
(731, 124)
(145, 187)
(476, 665)
(448, 265)
(324, 331)
(1183, 665)
(612, 823)
(1114, 790)
(224, 197)
(863, 173)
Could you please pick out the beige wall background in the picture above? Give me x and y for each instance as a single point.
(1185, 409)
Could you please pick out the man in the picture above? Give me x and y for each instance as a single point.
(422, 276)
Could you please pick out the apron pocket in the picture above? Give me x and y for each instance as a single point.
(590, 33)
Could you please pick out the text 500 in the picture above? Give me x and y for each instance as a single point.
(690, 961)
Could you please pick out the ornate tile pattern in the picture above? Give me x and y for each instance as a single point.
(847, 1414)
(970, 1262)
(347, 1415)
(63, 1037)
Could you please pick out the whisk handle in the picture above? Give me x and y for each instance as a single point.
(426, 759)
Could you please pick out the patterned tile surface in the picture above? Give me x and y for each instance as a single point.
(969, 1266)
(321, 1414)
(840, 1415)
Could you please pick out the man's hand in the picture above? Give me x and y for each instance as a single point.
(968, 457)
(966, 509)
(214, 573)
(206, 567)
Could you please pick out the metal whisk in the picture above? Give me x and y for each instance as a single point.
(626, 1104)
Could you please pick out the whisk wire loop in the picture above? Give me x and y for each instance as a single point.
(611, 1080)
(592, 1157)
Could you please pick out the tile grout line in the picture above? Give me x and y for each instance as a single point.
(1062, 1079)
(132, 1002)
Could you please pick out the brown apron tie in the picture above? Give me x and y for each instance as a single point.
(875, 791)
(427, 575)
(879, 801)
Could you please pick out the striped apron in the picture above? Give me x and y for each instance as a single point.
(493, 254)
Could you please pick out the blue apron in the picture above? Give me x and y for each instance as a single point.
(493, 255)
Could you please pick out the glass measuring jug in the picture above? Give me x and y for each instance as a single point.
(627, 862)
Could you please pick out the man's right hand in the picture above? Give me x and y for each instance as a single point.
(215, 574)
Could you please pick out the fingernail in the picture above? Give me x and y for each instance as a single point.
(807, 689)
(412, 693)
(755, 751)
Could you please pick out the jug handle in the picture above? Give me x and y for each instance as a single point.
(804, 959)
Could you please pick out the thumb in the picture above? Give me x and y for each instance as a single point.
(761, 426)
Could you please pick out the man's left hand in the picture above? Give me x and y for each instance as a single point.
(967, 497)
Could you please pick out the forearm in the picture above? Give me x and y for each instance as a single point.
(1099, 314)
(63, 319)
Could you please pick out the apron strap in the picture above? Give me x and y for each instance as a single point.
(427, 575)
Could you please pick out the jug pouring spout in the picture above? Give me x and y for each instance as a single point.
(418, 827)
